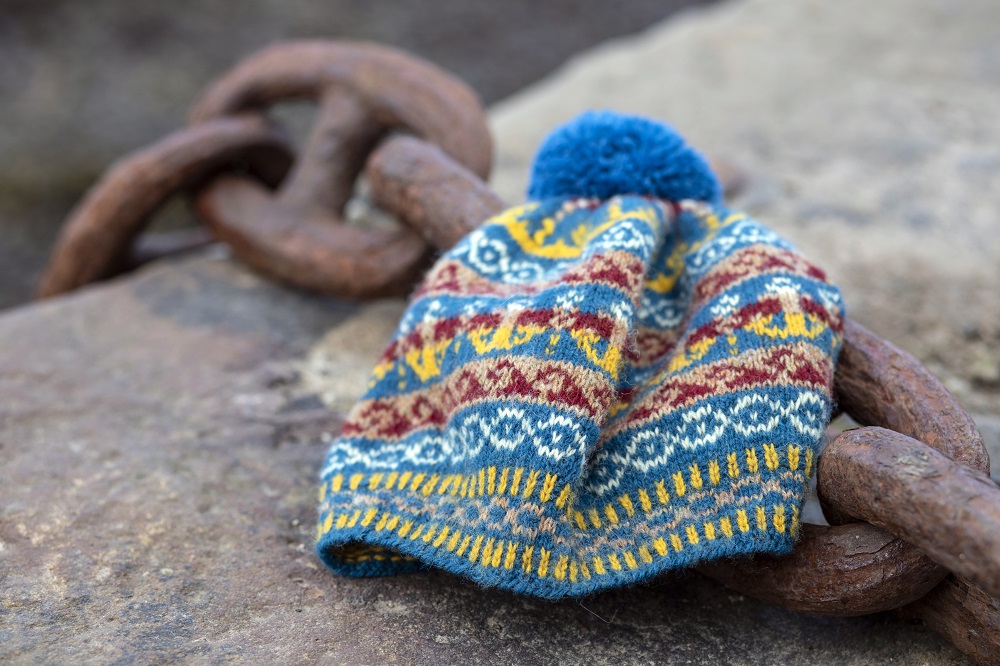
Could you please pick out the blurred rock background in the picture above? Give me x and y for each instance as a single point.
(82, 83)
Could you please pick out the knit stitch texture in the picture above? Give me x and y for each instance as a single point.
(584, 393)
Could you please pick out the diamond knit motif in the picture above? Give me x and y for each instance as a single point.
(585, 393)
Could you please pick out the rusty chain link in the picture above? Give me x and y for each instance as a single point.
(95, 241)
(295, 234)
(915, 518)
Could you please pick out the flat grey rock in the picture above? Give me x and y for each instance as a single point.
(160, 438)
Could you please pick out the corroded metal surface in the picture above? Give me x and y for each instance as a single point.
(965, 615)
(848, 570)
(96, 239)
(944, 508)
(399, 89)
(296, 234)
(440, 198)
(419, 183)
(879, 384)
(364, 91)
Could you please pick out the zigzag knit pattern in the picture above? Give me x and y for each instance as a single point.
(586, 393)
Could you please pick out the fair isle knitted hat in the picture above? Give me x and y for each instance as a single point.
(616, 379)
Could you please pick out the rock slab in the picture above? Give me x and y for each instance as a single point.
(160, 439)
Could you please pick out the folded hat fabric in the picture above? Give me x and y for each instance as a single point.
(591, 389)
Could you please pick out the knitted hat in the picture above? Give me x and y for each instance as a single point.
(618, 378)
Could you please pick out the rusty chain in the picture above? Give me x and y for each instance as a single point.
(296, 233)
(363, 90)
(96, 240)
(915, 518)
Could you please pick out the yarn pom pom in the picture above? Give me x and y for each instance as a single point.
(602, 153)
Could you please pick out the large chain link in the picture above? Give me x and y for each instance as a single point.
(97, 239)
(915, 519)
(295, 233)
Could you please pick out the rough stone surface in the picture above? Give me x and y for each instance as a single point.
(868, 131)
(159, 441)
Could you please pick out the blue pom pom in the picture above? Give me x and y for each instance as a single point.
(603, 153)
